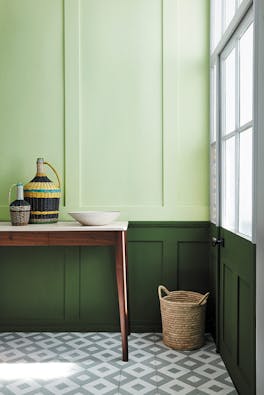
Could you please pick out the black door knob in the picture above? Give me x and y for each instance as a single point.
(218, 242)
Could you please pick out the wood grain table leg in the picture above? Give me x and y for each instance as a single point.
(121, 273)
(127, 286)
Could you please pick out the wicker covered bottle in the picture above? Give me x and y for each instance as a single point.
(43, 195)
(19, 208)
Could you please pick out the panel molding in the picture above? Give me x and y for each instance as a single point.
(152, 249)
(33, 93)
(72, 92)
(172, 206)
(176, 195)
(125, 208)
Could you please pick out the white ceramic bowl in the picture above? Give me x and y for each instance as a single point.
(94, 218)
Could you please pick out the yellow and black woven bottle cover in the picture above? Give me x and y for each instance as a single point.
(43, 195)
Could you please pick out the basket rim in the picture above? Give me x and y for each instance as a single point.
(166, 298)
(185, 304)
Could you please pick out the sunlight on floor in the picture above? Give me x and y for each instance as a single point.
(36, 370)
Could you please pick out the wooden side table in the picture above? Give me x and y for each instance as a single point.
(74, 234)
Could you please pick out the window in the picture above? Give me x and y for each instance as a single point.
(231, 116)
(222, 14)
(213, 148)
(236, 68)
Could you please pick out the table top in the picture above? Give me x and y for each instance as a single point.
(63, 227)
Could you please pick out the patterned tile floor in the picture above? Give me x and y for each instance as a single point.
(89, 363)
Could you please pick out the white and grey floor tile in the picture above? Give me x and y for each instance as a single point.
(90, 363)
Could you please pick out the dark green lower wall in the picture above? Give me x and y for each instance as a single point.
(59, 288)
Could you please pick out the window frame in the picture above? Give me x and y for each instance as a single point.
(242, 19)
(225, 35)
(233, 44)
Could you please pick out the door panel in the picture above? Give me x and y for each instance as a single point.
(237, 310)
(236, 292)
(245, 328)
(213, 301)
(229, 313)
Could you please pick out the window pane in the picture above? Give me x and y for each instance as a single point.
(213, 104)
(228, 216)
(246, 76)
(229, 93)
(245, 183)
(213, 183)
(216, 22)
(229, 11)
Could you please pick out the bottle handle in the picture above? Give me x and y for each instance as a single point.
(52, 168)
(9, 193)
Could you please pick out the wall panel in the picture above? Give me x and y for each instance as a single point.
(114, 95)
(192, 265)
(121, 103)
(32, 285)
(98, 294)
(32, 90)
(146, 268)
(48, 288)
(136, 94)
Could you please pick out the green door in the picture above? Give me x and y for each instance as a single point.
(237, 310)
(213, 301)
(233, 262)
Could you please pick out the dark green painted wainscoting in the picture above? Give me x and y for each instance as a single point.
(58, 288)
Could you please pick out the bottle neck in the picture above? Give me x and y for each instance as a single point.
(40, 167)
(20, 192)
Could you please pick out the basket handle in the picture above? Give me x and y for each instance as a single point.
(9, 193)
(52, 168)
(164, 289)
(203, 298)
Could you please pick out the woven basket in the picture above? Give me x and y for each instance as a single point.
(183, 318)
(19, 215)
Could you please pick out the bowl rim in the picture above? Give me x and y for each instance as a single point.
(95, 212)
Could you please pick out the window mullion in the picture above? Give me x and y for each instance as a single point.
(218, 142)
(222, 181)
(237, 141)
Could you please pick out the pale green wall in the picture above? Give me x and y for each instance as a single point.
(114, 93)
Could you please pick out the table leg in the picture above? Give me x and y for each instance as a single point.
(127, 286)
(122, 290)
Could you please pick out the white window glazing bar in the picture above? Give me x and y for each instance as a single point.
(234, 24)
(237, 139)
(233, 46)
(241, 129)
(218, 153)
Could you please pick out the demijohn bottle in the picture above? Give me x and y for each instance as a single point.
(19, 208)
(43, 195)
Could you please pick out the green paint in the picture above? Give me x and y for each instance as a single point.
(231, 306)
(213, 302)
(48, 288)
(114, 94)
(32, 286)
(32, 91)
(237, 310)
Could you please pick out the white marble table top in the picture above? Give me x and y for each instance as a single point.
(62, 226)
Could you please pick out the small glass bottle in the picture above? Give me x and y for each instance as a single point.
(19, 208)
